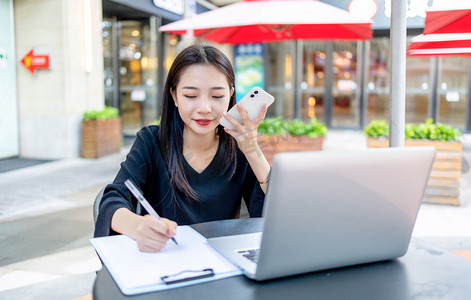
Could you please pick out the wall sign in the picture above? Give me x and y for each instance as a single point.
(33, 62)
(364, 9)
(177, 6)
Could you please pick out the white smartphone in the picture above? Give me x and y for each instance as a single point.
(253, 102)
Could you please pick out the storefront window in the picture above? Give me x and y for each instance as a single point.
(138, 72)
(170, 42)
(378, 84)
(418, 87)
(313, 82)
(109, 80)
(378, 80)
(281, 60)
(345, 89)
(452, 90)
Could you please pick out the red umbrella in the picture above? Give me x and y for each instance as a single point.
(453, 20)
(256, 21)
(441, 44)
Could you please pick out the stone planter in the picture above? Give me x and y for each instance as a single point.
(101, 137)
(443, 186)
(287, 143)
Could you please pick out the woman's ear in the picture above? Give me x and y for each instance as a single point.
(232, 91)
(174, 96)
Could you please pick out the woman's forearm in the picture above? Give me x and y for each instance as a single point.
(125, 222)
(259, 165)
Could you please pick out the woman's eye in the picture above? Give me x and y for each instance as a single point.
(218, 97)
(190, 96)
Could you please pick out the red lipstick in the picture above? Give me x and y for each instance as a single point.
(203, 122)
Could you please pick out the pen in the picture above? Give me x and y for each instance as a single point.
(128, 183)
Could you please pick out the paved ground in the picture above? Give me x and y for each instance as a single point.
(11, 164)
(46, 222)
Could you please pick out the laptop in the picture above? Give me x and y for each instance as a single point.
(333, 209)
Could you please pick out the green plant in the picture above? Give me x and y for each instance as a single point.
(377, 128)
(273, 126)
(312, 129)
(427, 130)
(409, 131)
(436, 131)
(105, 114)
(278, 126)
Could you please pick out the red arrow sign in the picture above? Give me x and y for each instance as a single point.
(33, 62)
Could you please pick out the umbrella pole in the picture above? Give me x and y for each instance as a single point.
(397, 93)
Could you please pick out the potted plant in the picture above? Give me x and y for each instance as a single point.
(101, 132)
(278, 135)
(444, 183)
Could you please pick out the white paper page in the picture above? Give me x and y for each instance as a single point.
(132, 268)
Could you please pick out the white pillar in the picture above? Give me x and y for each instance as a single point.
(9, 141)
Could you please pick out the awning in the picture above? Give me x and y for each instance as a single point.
(273, 20)
(447, 31)
(441, 44)
(452, 20)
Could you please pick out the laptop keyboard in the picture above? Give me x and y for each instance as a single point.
(251, 254)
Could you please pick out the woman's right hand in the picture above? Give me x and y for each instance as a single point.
(152, 235)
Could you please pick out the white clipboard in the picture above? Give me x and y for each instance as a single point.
(191, 261)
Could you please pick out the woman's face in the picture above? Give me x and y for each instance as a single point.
(202, 95)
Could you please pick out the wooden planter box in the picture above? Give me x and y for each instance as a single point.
(287, 143)
(443, 186)
(101, 137)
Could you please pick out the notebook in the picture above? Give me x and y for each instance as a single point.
(333, 209)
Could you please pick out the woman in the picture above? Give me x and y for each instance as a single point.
(190, 168)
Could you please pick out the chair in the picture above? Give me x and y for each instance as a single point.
(96, 204)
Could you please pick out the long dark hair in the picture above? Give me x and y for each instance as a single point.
(171, 124)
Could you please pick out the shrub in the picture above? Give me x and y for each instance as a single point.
(377, 128)
(278, 126)
(427, 130)
(105, 114)
(273, 126)
(436, 131)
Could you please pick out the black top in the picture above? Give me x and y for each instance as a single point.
(219, 196)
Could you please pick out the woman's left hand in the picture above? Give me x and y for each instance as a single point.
(246, 134)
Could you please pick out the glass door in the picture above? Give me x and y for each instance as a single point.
(453, 90)
(110, 58)
(418, 88)
(378, 80)
(280, 77)
(313, 81)
(346, 85)
(138, 74)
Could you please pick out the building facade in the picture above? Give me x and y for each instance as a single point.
(346, 83)
(110, 52)
(137, 56)
(45, 106)
(9, 141)
(343, 83)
